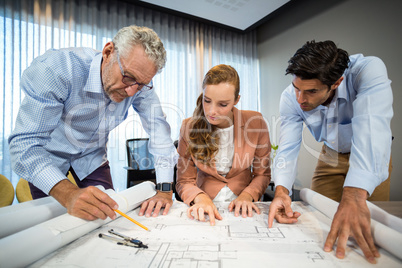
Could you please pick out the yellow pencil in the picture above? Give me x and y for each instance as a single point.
(131, 219)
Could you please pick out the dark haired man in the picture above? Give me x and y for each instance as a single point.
(346, 102)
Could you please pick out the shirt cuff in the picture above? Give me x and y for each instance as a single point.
(285, 183)
(362, 179)
(254, 194)
(164, 175)
(164, 167)
(48, 178)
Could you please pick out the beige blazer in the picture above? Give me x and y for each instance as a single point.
(250, 170)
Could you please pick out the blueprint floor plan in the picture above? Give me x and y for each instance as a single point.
(177, 241)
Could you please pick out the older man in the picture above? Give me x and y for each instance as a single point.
(73, 98)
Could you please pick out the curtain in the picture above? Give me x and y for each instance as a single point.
(30, 27)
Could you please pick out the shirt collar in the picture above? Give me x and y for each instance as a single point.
(94, 81)
(341, 90)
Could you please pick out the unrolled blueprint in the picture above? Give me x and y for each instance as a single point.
(177, 241)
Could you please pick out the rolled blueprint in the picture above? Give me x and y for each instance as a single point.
(21, 216)
(385, 237)
(29, 245)
(384, 217)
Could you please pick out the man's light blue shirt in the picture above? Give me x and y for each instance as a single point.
(66, 116)
(357, 121)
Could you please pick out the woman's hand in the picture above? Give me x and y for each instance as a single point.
(243, 202)
(203, 205)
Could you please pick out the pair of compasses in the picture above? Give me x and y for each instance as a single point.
(123, 240)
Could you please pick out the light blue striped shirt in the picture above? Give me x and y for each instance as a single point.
(356, 121)
(65, 118)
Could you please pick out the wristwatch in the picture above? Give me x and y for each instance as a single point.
(164, 187)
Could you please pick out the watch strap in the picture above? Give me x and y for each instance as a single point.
(164, 187)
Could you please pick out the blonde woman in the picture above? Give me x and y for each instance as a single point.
(223, 152)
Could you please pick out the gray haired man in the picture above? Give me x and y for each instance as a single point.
(73, 98)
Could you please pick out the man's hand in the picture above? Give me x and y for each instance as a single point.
(280, 208)
(87, 203)
(352, 219)
(155, 203)
(244, 202)
(203, 205)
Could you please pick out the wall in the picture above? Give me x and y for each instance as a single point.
(370, 27)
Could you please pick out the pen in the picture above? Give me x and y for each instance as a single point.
(131, 219)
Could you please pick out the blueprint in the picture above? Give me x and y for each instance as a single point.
(31, 244)
(177, 241)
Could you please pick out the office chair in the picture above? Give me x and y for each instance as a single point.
(176, 195)
(22, 191)
(6, 192)
(140, 162)
(270, 193)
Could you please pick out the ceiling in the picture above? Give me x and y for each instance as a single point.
(240, 15)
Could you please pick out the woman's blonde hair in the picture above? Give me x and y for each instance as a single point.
(204, 143)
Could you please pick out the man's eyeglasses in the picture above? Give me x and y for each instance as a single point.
(129, 81)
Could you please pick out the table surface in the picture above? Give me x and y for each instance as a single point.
(392, 207)
(177, 241)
